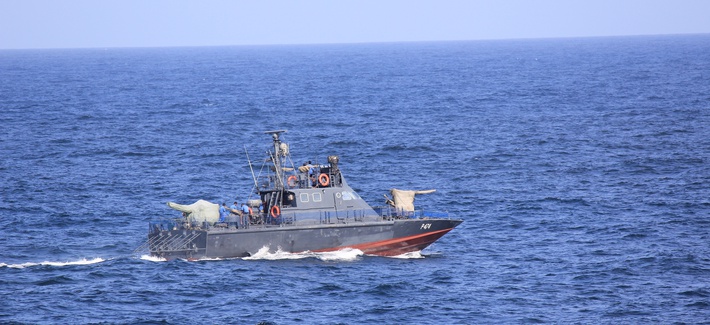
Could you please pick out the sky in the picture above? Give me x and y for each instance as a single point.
(34, 24)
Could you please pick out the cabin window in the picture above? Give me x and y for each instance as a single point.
(347, 196)
(290, 199)
(317, 197)
(304, 197)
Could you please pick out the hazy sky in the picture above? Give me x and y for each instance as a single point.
(141, 23)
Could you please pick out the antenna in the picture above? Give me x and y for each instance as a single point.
(256, 185)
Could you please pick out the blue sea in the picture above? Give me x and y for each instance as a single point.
(580, 166)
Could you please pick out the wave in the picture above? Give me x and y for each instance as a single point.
(343, 255)
(410, 255)
(82, 261)
(151, 258)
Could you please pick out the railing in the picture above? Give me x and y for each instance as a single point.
(344, 216)
(172, 242)
(168, 224)
(160, 239)
(299, 180)
(390, 212)
(300, 218)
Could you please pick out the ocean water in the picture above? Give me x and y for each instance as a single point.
(581, 169)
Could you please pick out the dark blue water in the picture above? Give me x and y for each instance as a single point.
(580, 166)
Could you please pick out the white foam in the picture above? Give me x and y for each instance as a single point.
(153, 258)
(210, 259)
(82, 261)
(345, 255)
(264, 254)
(410, 255)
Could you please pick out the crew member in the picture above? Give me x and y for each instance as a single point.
(245, 214)
(235, 214)
(223, 212)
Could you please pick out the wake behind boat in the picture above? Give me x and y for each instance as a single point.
(309, 208)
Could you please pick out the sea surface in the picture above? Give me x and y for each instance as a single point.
(581, 169)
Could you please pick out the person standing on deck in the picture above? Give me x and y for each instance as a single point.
(234, 213)
(223, 212)
(245, 214)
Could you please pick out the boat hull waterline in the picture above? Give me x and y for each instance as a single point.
(377, 238)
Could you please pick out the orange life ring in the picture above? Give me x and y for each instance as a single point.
(323, 179)
(275, 211)
(292, 181)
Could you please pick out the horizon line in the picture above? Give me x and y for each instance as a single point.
(347, 43)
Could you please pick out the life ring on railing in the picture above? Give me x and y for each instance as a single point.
(275, 211)
(323, 179)
(292, 181)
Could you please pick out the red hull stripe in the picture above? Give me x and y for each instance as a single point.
(395, 246)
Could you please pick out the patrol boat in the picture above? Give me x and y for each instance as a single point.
(309, 208)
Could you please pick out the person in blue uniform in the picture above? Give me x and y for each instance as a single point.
(223, 212)
(245, 213)
(234, 214)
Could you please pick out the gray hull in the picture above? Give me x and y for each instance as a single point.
(384, 238)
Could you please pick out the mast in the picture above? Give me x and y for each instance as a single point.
(280, 152)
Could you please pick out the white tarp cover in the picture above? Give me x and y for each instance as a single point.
(404, 200)
(199, 211)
